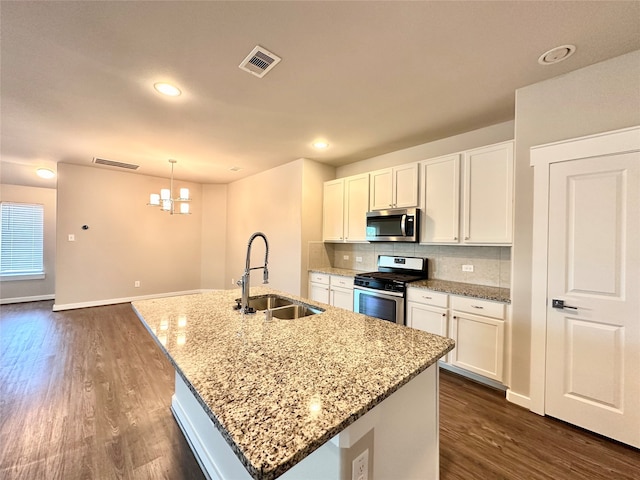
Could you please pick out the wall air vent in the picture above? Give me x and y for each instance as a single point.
(259, 62)
(111, 163)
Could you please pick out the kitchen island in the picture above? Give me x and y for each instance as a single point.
(299, 398)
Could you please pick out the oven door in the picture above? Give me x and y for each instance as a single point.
(380, 304)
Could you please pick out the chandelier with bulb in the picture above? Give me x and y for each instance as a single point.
(167, 202)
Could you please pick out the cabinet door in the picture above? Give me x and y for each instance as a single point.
(479, 344)
(319, 292)
(357, 204)
(488, 194)
(332, 211)
(441, 200)
(342, 298)
(381, 189)
(405, 186)
(428, 319)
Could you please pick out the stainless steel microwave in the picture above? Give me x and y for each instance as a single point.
(397, 225)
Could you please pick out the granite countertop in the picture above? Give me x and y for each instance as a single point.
(345, 272)
(278, 390)
(485, 292)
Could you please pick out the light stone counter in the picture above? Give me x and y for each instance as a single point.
(278, 390)
(497, 294)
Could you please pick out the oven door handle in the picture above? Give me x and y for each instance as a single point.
(380, 293)
(403, 226)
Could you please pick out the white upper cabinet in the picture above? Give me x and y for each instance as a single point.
(482, 213)
(356, 194)
(345, 206)
(441, 200)
(395, 187)
(333, 211)
(488, 194)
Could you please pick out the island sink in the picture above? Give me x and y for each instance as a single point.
(280, 307)
(292, 312)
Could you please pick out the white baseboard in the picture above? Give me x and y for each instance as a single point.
(112, 301)
(473, 376)
(518, 399)
(35, 298)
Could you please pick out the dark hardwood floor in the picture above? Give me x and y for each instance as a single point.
(85, 394)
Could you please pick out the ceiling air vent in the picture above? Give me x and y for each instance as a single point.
(111, 163)
(259, 62)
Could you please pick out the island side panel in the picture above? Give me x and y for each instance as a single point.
(401, 433)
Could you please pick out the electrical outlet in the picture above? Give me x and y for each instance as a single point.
(360, 467)
(345, 257)
(359, 259)
(467, 268)
(136, 283)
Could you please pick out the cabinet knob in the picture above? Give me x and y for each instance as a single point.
(466, 238)
(444, 314)
(455, 238)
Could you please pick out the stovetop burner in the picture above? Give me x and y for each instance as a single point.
(394, 273)
(395, 277)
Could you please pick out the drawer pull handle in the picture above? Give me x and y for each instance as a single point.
(428, 298)
(477, 306)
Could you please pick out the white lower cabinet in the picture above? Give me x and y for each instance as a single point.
(477, 326)
(427, 311)
(341, 292)
(319, 287)
(335, 290)
(479, 336)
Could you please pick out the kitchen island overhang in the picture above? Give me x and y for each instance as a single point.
(277, 391)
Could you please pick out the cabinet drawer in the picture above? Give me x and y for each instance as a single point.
(322, 278)
(477, 306)
(428, 297)
(340, 281)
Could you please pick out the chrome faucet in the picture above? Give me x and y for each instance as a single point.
(244, 281)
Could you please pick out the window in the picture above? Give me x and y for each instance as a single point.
(21, 241)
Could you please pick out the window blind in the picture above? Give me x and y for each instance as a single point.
(21, 239)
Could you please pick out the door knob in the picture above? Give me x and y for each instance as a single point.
(556, 303)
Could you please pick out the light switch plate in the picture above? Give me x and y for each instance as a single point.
(72, 237)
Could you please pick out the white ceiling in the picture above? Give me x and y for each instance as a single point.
(371, 77)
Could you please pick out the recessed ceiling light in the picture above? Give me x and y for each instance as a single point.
(45, 173)
(320, 145)
(556, 55)
(167, 89)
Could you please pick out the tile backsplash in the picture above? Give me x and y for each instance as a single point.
(491, 264)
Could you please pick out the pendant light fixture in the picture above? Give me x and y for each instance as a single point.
(167, 202)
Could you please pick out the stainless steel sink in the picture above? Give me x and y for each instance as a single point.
(292, 312)
(267, 302)
(280, 307)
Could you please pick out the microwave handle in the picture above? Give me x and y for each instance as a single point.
(403, 226)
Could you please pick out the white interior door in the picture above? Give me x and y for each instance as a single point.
(593, 343)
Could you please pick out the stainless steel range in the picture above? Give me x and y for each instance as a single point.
(381, 294)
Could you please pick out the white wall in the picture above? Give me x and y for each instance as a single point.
(268, 202)
(26, 290)
(214, 236)
(476, 138)
(598, 98)
(126, 240)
